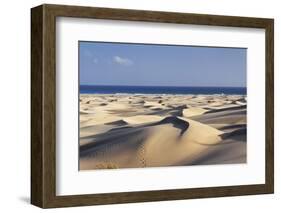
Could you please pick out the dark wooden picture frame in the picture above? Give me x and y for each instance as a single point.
(43, 105)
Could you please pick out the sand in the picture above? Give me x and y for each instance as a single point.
(137, 131)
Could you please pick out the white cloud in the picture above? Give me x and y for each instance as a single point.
(122, 61)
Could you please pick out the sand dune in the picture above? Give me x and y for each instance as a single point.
(161, 130)
(161, 143)
(193, 111)
(226, 116)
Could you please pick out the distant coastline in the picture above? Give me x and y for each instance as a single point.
(99, 89)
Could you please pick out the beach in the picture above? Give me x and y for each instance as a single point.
(156, 130)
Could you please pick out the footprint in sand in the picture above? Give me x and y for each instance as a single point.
(141, 155)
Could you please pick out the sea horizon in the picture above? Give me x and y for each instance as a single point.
(180, 90)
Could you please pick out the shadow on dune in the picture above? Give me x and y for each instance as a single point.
(106, 142)
(117, 123)
(173, 111)
(223, 116)
(234, 126)
(239, 133)
(224, 109)
(223, 112)
(176, 122)
(222, 154)
(128, 135)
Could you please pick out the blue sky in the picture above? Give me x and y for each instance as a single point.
(160, 65)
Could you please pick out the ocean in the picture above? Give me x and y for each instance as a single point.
(90, 89)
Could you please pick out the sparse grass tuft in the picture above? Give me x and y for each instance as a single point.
(106, 166)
